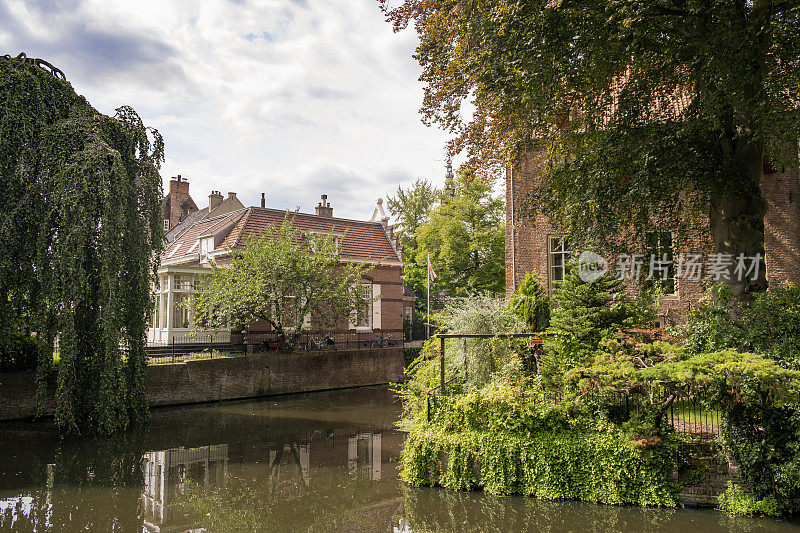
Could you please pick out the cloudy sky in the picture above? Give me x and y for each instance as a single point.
(290, 97)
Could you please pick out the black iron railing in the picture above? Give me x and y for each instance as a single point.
(204, 345)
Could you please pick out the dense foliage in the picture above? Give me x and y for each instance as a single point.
(464, 234)
(769, 325)
(630, 104)
(531, 303)
(507, 442)
(81, 232)
(292, 279)
(584, 314)
(474, 363)
(599, 398)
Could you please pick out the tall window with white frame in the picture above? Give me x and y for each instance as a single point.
(558, 258)
(364, 315)
(182, 287)
(659, 261)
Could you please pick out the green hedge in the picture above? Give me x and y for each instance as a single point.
(598, 466)
(507, 442)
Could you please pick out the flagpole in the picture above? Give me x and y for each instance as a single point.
(428, 318)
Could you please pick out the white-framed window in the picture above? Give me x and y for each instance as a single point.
(659, 257)
(180, 310)
(166, 224)
(206, 247)
(363, 316)
(558, 258)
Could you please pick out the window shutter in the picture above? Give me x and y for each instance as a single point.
(376, 306)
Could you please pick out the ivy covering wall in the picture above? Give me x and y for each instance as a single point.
(503, 443)
(81, 234)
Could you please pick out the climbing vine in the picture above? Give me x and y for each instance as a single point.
(80, 239)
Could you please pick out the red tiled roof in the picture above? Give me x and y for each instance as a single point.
(360, 240)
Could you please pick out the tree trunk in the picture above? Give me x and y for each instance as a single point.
(737, 216)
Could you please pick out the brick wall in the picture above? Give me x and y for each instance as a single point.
(527, 240)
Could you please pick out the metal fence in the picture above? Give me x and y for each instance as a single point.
(415, 332)
(690, 414)
(204, 346)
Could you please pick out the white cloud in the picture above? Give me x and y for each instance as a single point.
(293, 98)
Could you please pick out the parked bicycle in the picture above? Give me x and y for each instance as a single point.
(320, 343)
(383, 342)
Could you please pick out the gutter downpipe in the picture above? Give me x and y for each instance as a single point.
(510, 171)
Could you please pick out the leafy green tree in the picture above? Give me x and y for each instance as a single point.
(531, 303)
(585, 313)
(292, 279)
(411, 208)
(666, 108)
(465, 237)
(80, 234)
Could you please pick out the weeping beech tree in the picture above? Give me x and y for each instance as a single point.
(79, 238)
(642, 109)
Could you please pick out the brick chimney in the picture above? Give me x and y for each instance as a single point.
(214, 199)
(263, 200)
(324, 208)
(180, 203)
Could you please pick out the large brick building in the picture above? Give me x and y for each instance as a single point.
(538, 246)
(212, 232)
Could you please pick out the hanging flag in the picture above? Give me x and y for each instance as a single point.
(431, 273)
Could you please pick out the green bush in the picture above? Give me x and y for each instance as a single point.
(19, 352)
(736, 501)
(410, 354)
(476, 362)
(764, 439)
(773, 325)
(769, 325)
(711, 327)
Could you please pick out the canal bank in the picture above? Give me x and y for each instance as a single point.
(231, 378)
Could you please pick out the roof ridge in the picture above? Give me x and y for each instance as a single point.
(314, 215)
(227, 216)
(241, 227)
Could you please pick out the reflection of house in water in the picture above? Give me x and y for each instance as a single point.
(364, 454)
(288, 461)
(299, 455)
(165, 473)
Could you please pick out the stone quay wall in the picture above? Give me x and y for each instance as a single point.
(231, 378)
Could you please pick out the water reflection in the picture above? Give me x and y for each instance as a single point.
(165, 475)
(325, 461)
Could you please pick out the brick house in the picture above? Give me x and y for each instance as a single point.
(537, 246)
(213, 232)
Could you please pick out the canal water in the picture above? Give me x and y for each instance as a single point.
(313, 462)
